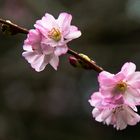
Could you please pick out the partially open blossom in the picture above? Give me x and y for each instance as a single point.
(124, 84)
(57, 32)
(38, 54)
(113, 113)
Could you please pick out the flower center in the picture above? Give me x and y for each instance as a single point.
(121, 87)
(55, 34)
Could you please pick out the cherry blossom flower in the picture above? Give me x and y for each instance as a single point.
(119, 94)
(38, 54)
(57, 32)
(48, 40)
(117, 114)
(124, 84)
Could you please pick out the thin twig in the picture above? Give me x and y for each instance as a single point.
(14, 26)
(92, 64)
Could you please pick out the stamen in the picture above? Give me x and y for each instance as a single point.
(121, 87)
(117, 109)
(55, 34)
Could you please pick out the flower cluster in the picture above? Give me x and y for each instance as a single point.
(118, 96)
(48, 40)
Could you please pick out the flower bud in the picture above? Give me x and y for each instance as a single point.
(83, 64)
(74, 61)
(79, 63)
(85, 56)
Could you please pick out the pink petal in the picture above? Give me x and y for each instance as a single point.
(113, 101)
(59, 50)
(64, 21)
(54, 62)
(106, 113)
(50, 21)
(107, 91)
(46, 49)
(133, 120)
(106, 79)
(96, 112)
(134, 108)
(132, 96)
(119, 77)
(73, 28)
(132, 117)
(108, 120)
(33, 41)
(48, 41)
(73, 35)
(134, 80)
(44, 30)
(47, 22)
(37, 61)
(33, 38)
(30, 56)
(128, 68)
(96, 99)
(133, 91)
(27, 47)
(34, 35)
(120, 121)
(129, 99)
(52, 42)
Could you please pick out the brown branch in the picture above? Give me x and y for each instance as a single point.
(17, 29)
(14, 27)
(91, 63)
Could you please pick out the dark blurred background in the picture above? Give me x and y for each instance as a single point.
(54, 105)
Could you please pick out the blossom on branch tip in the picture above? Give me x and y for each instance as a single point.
(48, 40)
(118, 96)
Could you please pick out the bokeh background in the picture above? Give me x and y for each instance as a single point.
(54, 105)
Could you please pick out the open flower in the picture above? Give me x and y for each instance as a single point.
(124, 84)
(49, 40)
(119, 94)
(57, 32)
(38, 54)
(116, 113)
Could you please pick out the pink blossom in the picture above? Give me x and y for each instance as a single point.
(117, 114)
(57, 32)
(49, 40)
(124, 84)
(38, 54)
(118, 96)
